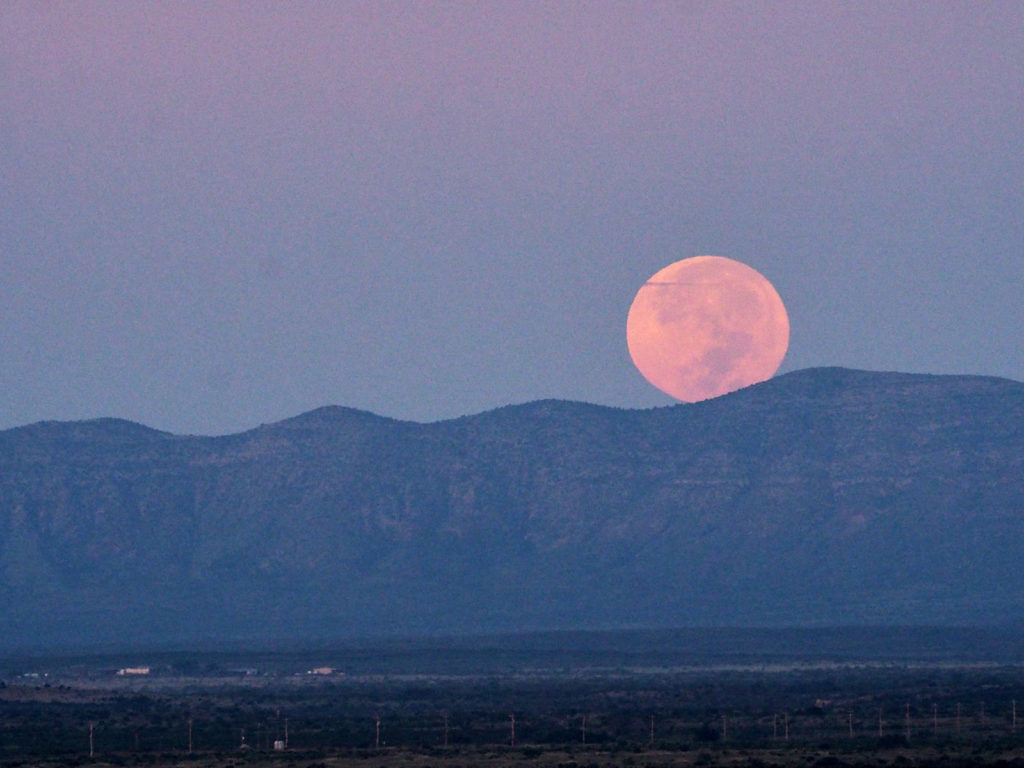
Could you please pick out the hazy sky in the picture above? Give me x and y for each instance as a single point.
(214, 215)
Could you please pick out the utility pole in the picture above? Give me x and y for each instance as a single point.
(286, 733)
(377, 739)
(725, 727)
(935, 719)
(849, 721)
(512, 729)
(583, 730)
(652, 731)
(785, 722)
(879, 722)
(190, 735)
(92, 752)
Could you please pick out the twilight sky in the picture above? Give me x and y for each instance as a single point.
(217, 215)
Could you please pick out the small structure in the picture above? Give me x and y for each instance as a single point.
(126, 671)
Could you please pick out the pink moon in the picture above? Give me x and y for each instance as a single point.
(705, 326)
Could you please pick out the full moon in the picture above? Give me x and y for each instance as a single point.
(705, 326)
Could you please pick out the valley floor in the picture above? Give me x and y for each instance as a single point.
(904, 757)
(354, 709)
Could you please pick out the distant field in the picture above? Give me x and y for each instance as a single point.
(638, 700)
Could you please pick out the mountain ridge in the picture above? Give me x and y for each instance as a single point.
(822, 496)
(335, 411)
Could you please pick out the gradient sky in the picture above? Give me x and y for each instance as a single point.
(218, 215)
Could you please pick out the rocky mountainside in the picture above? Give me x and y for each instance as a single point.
(825, 496)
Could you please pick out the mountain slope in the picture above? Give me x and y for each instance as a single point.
(822, 496)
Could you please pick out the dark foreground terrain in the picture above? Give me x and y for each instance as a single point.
(637, 700)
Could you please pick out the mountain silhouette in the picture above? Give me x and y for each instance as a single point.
(822, 497)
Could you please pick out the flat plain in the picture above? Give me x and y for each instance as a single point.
(636, 700)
